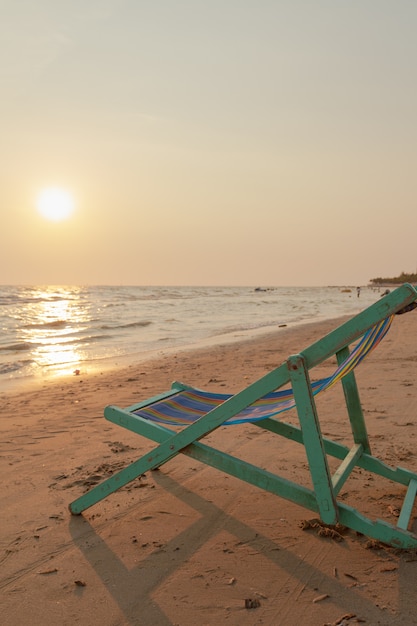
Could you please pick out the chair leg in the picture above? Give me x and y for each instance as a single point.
(353, 405)
(313, 440)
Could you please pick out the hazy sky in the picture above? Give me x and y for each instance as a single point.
(216, 142)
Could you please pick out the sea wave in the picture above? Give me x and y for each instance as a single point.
(58, 326)
(53, 324)
(20, 346)
(142, 324)
(14, 366)
(67, 340)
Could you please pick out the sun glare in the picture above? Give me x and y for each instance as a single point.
(55, 204)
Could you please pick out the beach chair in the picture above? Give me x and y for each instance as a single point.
(180, 418)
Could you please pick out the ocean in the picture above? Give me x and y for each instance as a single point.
(58, 330)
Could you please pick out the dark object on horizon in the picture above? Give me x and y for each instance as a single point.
(397, 280)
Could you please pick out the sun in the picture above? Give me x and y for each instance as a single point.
(55, 204)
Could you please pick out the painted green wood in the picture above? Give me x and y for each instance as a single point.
(353, 405)
(345, 468)
(339, 451)
(157, 398)
(378, 529)
(278, 427)
(354, 328)
(313, 441)
(408, 505)
(322, 498)
(124, 418)
(201, 452)
(252, 474)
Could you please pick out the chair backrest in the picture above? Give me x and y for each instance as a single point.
(189, 404)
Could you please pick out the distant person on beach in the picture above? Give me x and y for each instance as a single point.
(358, 291)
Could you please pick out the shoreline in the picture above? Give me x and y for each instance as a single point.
(44, 349)
(108, 367)
(187, 542)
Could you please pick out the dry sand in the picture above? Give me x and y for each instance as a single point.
(187, 544)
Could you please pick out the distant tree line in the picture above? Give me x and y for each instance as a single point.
(402, 278)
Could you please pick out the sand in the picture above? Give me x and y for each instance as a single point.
(188, 545)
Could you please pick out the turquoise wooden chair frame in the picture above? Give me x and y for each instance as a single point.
(322, 497)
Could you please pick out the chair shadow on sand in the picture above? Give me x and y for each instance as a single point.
(134, 589)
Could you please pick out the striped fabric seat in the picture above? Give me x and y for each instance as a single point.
(188, 405)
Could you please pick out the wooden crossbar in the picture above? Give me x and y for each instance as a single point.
(407, 506)
(322, 497)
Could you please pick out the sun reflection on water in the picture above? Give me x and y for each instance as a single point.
(54, 319)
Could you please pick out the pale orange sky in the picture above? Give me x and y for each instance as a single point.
(214, 143)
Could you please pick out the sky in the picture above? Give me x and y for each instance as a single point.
(216, 142)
